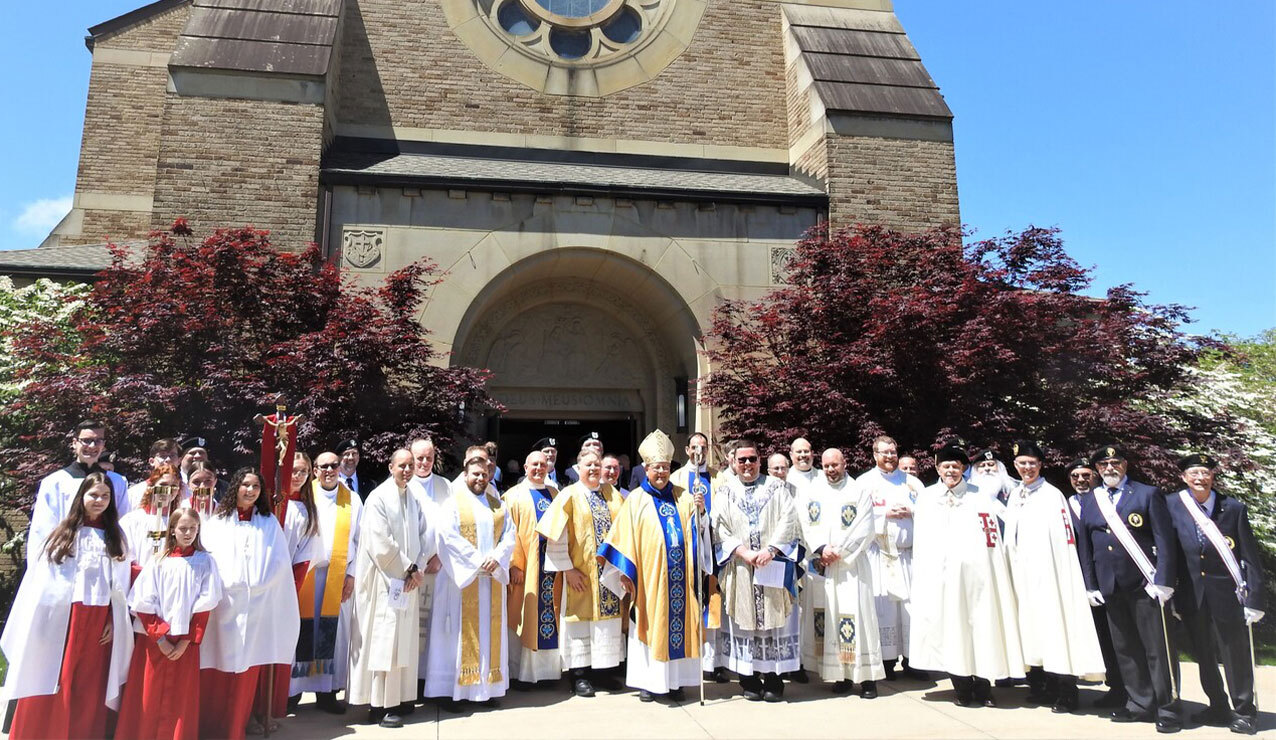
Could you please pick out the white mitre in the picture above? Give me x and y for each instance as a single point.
(656, 448)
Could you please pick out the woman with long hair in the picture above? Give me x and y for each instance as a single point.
(202, 477)
(172, 598)
(256, 622)
(68, 639)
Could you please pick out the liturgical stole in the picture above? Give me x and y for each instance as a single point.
(470, 673)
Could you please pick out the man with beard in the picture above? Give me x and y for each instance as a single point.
(1128, 558)
(536, 592)
(840, 639)
(699, 477)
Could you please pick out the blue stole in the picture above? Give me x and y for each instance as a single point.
(676, 564)
(546, 615)
(708, 489)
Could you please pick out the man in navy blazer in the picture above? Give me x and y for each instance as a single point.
(1135, 607)
(1217, 613)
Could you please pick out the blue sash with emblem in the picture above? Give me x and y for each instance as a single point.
(676, 565)
(546, 614)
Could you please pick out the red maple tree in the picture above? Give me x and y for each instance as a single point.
(188, 337)
(921, 337)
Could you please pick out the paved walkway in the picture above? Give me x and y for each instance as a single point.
(905, 709)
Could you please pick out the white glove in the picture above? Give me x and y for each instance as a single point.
(1162, 594)
(1252, 615)
(1095, 598)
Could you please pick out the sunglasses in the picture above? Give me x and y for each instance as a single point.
(749, 459)
(329, 466)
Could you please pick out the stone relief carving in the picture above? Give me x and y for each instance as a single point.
(780, 259)
(362, 248)
(570, 345)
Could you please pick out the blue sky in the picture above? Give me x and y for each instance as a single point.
(1145, 130)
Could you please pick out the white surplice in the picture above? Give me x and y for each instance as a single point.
(461, 562)
(964, 618)
(1055, 624)
(394, 534)
(840, 639)
(175, 589)
(891, 555)
(35, 633)
(256, 622)
(53, 502)
(430, 493)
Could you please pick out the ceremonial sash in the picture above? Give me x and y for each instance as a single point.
(1123, 535)
(1210, 530)
(676, 566)
(1075, 503)
(712, 598)
(470, 673)
(546, 613)
(608, 604)
(316, 649)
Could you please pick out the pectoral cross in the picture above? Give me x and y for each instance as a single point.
(990, 528)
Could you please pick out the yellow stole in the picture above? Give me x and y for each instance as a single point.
(470, 673)
(333, 584)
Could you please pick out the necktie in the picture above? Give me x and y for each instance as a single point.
(1112, 492)
(1200, 533)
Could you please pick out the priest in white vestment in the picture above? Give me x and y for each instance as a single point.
(964, 618)
(395, 543)
(651, 554)
(431, 491)
(757, 547)
(1059, 641)
(840, 640)
(892, 493)
(469, 646)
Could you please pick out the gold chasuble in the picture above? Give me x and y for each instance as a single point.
(653, 543)
(587, 519)
(534, 606)
(470, 672)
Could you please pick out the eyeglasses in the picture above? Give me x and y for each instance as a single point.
(328, 466)
(1079, 476)
(749, 459)
(90, 441)
(1109, 463)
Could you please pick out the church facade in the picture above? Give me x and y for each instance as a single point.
(594, 175)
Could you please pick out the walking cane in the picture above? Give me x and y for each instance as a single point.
(1169, 660)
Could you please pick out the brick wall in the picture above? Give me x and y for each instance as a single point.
(122, 119)
(402, 65)
(902, 183)
(238, 162)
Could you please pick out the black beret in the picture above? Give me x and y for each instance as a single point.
(950, 453)
(192, 442)
(981, 455)
(1026, 448)
(346, 444)
(1197, 460)
(1108, 452)
(586, 437)
(1079, 464)
(544, 442)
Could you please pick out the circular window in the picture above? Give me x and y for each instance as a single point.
(576, 47)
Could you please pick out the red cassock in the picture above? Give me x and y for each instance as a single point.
(78, 709)
(226, 700)
(283, 673)
(162, 696)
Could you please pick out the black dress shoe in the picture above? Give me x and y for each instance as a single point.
(375, 715)
(582, 687)
(391, 720)
(799, 676)
(676, 695)
(719, 675)
(293, 701)
(1124, 715)
(645, 696)
(1113, 699)
(1244, 726)
(890, 670)
(989, 702)
(1168, 725)
(773, 696)
(868, 689)
(965, 700)
(1066, 704)
(842, 687)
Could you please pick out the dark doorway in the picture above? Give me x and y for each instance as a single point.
(516, 437)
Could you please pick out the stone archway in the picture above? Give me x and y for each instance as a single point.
(579, 333)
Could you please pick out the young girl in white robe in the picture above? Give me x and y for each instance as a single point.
(68, 639)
